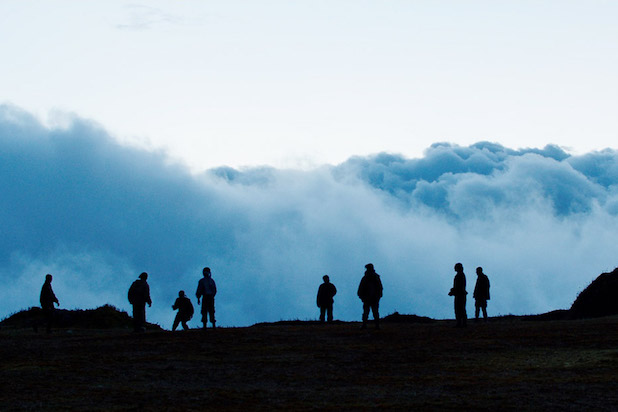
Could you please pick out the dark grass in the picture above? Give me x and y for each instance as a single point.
(504, 364)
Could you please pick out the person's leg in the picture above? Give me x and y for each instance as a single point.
(176, 322)
(457, 311)
(142, 317)
(322, 313)
(329, 312)
(204, 312)
(48, 316)
(136, 318)
(211, 309)
(464, 315)
(460, 310)
(376, 314)
(365, 314)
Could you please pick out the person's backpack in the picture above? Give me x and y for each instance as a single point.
(133, 292)
(190, 309)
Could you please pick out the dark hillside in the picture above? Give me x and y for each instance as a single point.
(103, 317)
(600, 298)
(396, 317)
(505, 365)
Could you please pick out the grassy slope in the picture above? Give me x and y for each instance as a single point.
(514, 364)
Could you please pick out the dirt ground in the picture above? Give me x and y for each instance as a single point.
(503, 364)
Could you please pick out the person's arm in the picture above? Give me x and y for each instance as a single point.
(198, 292)
(457, 285)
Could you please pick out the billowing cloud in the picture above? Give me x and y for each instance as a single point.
(94, 213)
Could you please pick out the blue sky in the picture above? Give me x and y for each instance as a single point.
(280, 141)
(300, 84)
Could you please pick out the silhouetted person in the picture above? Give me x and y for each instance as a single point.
(459, 291)
(207, 289)
(370, 292)
(47, 299)
(481, 293)
(185, 311)
(325, 300)
(139, 295)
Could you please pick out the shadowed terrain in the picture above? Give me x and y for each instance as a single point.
(599, 298)
(103, 317)
(559, 360)
(506, 363)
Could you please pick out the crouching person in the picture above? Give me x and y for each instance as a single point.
(185, 311)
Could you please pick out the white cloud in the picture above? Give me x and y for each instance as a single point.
(95, 214)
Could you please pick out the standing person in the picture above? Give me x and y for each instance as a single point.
(47, 299)
(139, 295)
(459, 291)
(370, 292)
(325, 300)
(207, 289)
(481, 293)
(185, 311)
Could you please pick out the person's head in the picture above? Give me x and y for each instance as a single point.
(143, 276)
(181, 294)
(206, 272)
(458, 267)
(479, 270)
(326, 278)
(369, 267)
(48, 278)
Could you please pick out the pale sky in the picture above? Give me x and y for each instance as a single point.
(302, 83)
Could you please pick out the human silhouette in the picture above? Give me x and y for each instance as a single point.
(47, 299)
(207, 289)
(459, 292)
(139, 295)
(185, 311)
(370, 292)
(481, 293)
(325, 300)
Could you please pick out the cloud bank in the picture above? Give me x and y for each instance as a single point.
(95, 214)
